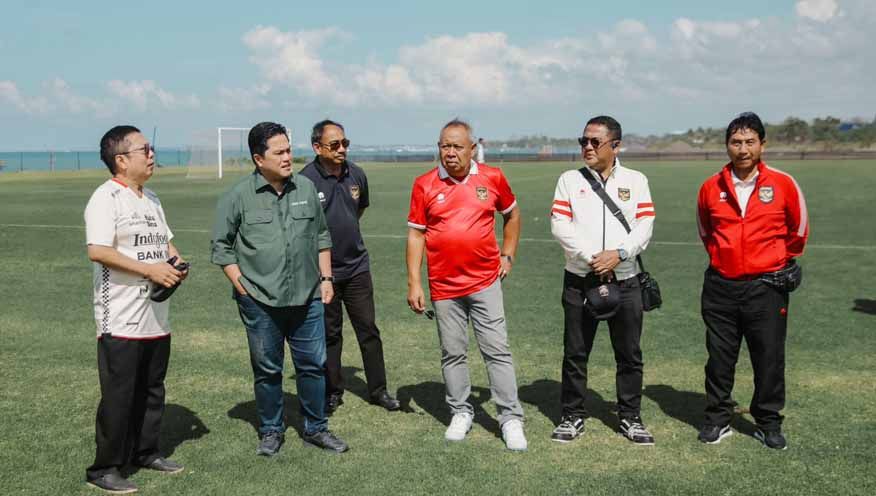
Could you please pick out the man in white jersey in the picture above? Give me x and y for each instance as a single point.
(129, 242)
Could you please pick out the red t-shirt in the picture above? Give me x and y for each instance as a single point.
(458, 218)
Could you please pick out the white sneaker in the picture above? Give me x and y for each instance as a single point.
(512, 433)
(460, 424)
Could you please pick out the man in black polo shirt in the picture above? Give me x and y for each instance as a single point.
(343, 192)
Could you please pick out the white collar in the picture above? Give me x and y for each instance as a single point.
(740, 182)
(443, 174)
(614, 169)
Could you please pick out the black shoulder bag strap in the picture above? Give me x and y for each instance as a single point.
(612, 206)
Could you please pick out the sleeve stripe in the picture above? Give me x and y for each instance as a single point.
(643, 205)
(645, 214)
(562, 203)
(506, 211)
(416, 226)
(804, 213)
(561, 212)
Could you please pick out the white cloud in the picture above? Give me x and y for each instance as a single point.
(243, 99)
(817, 10)
(142, 94)
(29, 105)
(68, 100)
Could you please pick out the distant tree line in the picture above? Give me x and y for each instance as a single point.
(821, 133)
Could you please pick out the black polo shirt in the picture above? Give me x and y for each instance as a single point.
(342, 198)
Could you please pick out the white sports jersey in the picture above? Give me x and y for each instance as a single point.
(136, 227)
(584, 226)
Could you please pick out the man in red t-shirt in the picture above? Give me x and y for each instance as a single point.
(452, 219)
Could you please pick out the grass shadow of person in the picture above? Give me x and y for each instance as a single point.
(430, 396)
(865, 306)
(545, 395)
(178, 425)
(246, 411)
(355, 384)
(688, 407)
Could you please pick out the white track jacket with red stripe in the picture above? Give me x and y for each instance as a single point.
(584, 226)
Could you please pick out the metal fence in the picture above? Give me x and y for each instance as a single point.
(183, 157)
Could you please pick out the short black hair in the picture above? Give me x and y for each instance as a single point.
(319, 127)
(610, 123)
(114, 143)
(745, 120)
(259, 136)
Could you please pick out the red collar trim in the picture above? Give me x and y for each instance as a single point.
(119, 181)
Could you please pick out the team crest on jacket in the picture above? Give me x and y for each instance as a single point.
(482, 193)
(765, 194)
(354, 191)
(623, 194)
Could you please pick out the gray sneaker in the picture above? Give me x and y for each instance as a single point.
(113, 483)
(270, 444)
(568, 430)
(325, 440)
(634, 430)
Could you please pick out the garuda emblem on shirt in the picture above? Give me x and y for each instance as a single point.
(482, 193)
(354, 191)
(623, 194)
(765, 194)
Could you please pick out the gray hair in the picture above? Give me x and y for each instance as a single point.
(457, 122)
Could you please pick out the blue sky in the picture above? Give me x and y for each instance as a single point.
(393, 72)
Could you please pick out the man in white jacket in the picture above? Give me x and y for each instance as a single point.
(598, 249)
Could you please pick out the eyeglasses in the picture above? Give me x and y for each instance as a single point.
(594, 142)
(335, 145)
(147, 148)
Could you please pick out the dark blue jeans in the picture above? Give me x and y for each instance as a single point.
(266, 330)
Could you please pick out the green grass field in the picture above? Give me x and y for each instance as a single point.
(50, 390)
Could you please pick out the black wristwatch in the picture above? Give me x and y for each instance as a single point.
(326, 278)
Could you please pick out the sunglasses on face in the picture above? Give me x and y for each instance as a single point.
(147, 148)
(594, 142)
(335, 145)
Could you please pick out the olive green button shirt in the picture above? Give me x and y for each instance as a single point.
(274, 238)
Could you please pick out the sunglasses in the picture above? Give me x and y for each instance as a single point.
(147, 148)
(594, 142)
(335, 145)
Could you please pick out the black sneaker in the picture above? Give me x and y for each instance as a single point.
(164, 465)
(772, 439)
(634, 430)
(332, 402)
(713, 434)
(569, 429)
(386, 401)
(325, 440)
(113, 483)
(270, 444)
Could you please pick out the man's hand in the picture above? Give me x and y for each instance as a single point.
(604, 262)
(327, 291)
(163, 274)
(507, 264)
(184, 273)
(416, 299)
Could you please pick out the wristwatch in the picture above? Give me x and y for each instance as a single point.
(326, 278)
(622, 254)
(509, 257)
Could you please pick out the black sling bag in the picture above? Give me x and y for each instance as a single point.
(651, 298)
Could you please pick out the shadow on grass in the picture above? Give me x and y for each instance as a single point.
(688, 407)
(430, 396)
(865, 306)
(545, 395)
(246, 411)
(354, 383)
(178, 425)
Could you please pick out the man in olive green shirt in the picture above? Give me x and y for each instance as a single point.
(271, 239)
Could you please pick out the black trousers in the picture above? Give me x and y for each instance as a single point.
(128, 422)
(357, 295)
(625, 329)
(733, 310)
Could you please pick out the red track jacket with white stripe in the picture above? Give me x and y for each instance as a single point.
(584, 226)
(774, 229)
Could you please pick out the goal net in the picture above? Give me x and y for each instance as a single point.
(220, 152)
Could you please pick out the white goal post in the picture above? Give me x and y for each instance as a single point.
(219, 143)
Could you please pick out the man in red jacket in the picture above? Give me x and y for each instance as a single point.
(753, 222)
